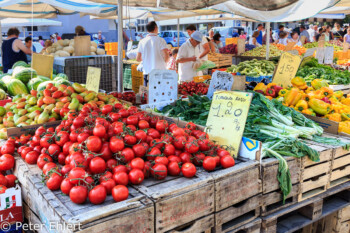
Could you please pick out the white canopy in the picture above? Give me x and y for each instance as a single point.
(19, 22)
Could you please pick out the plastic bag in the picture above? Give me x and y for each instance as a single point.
(206, 65)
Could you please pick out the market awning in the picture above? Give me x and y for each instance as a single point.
(17, 22)
(226, 17)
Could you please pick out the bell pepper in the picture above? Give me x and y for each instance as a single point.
(326, 92)
(301, 105)
(308, 90)
(314, 95)
(269, 85)
(260, 87)
(344, 126)
(271, 92)
(320, 107)
(277, 89)
(299, 82)
(333, 117)
(318, 83)
(333, 100)
(346, 101)
(326, 100)
(283, 92)
(345, 116)
(309, 111)
(338, 94)
(292, 97)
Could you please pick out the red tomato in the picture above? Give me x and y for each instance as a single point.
(227, 161)
(162, 160)
(66, 186)
(185, 157)
(143, 124)
(98, 194)
(76, 175)
(49, 167)
(121, 178)
(188, 170)
(137, 163)
(162, 126)
(140, 149)
(120, 168)
(159, 171)
(25, 151)
(2, 189)
(61, 138)
(108, 184)
(209, 163)
(116, 144)
(7, 162)
(153, 133)
(136, 176)
(127, 155)
(105, 152)
(78, 194)
(8, 148)
(82, 137)
(174, 169)
(130, 140)
(11, 180)
(66, 169)
(94, 144)
(97, 165)
(191, 147)
(54, 181)
(153, 153)
(179, 142)
(3, 180)
(99, 131)
(120, 193)
(178, 132)
(43, 159)
(107, 109)
(54, 150)
(111, 163)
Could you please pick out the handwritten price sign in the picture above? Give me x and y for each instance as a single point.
(286, 69)
(220, 81)
(93, 77)
(227, 116)
(328, 55)
(320, 53)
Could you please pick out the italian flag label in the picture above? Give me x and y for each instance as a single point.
(10, 201)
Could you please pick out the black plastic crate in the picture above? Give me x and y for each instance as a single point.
(76, 69)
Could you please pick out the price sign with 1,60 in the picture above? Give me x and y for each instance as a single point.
(286, 69)
(227, 116)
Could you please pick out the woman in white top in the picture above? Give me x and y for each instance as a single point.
(253, 41)
(295, 38)
(282, 38)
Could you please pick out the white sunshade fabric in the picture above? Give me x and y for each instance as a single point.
(19, 22)
(297, 11)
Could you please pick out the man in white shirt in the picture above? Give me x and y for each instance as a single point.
(152, 51)
(312, 33)
(204, 48)
(187, 55)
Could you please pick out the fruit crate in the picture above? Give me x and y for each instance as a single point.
(302, 214)
(76, 69)
(220, 60)
(250, 227)
(136, 214)
(179, 200)
(342, 220)
(202, 225)
(314, 178)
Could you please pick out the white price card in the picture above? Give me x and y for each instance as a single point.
(309, 52)
(320, 52)
(328, 55)
(162, 86)
(220, 81)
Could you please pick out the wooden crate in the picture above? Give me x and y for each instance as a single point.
(179, 200)
(251, 227)
(136, 214)
(221, 60)
(340, 170)
(269, 171)
(302, 214)
(32, 218)
(324, 225)
(342, 220)
(314, 176)
(237, 215)
(202, 225)
(229, 188)
(273, 202)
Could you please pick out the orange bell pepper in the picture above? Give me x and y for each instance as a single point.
(333, 117)
(326, 92)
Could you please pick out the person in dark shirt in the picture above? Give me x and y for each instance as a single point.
(80, 31)
(320, 31)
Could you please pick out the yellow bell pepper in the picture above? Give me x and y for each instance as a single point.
(269, 85)
(260, 87)
(301, 105)
(292, 96)
(334, 100)
(308, 90)
(299, 82)
(345, 116)
(346, 101)
(314, 95)
(344, 126)
(318, 83)
(333, 117)
(283, 92)
(336, 108)
(319, 107)
(338, 94)
(326, 92)
(309, 111)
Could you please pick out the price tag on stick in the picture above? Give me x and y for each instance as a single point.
(286, 69)
(240, 46)
(290, 46)
(227, 116)
(220, 81)
(309, 52)
(320, 52)
(93, 77)
(43, 64)
(328, 55)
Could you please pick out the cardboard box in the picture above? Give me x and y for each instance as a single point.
(11, 206)
(30, 129)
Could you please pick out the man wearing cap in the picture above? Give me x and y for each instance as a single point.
(188, 54)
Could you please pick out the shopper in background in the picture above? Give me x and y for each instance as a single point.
(328, 34)
(152, 51)
(211, 34)
(319, 34)
(295, 38)
(172, 61)
(217, 42)
(28, 41)
(303, 32)
(13, 50)
(312, 33)
(100, 40)
(310, 30)
(259, 38)
(188, 55)
(271, 37)
(345, 30)
(347, 36)
(280, 29)
(243, 35)
(338, 32)
(47, 44)
(282, 38)
(41, 41)
(253, 39)
(80, 31)
(58, 36)
(204, 47)
(235, 33)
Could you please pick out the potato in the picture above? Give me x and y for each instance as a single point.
(100, 51)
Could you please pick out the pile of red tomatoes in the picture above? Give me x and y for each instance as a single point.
(99, 152)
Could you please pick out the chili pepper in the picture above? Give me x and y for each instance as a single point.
(271, 92)
(333, 117)
(309, 111)
(301, 105)
(320, 107)
(260, 87)
(318, 83)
